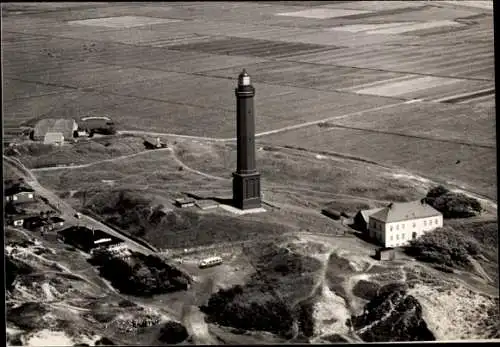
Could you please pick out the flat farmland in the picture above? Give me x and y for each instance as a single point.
(407, 84)
(457, 123)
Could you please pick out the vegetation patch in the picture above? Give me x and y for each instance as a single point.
(37, 155)
(452, 205)
(365, 289)
(392, 315)
(445, 246)
(13, 269)
(134, 214)
(172, 332)
(143, 275)
(28, 315)
(276, 296)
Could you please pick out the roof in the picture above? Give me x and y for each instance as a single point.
(185, 201)
(400, 211)
(367, 213)
(50, 125)
(16, 189)
(95, 117)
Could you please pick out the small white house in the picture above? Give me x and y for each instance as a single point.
(398, 223)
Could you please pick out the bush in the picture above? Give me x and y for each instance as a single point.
(148, 276)
(444, 246)
(452, 205)
(104, 342)
(252, 307)
(172, 333)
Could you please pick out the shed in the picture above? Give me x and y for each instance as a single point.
(53, 139)
(87, 239)
(206, 204)
(332, 213)
(21, 197)
(184, 202)
(18, 193)
(385, 254)
(97, 124)
(17, 221)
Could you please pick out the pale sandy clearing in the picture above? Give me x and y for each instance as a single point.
(415, 26)
(330, 313)
(322, 13)
(454, 314)
(123, 22)
(49, 338)
(357, 28)
(398, 88)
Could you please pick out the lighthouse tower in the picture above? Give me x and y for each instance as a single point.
(246, 179)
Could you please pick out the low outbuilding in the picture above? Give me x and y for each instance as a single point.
(206, 204)
(87, 239)
(385, 254)
(332, 213)
(19, 193)
(184, 202)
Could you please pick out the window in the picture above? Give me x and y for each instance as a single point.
(397, 236)
(403, 226)
(397, 226)
(437, 221)
(403, 236)
(391, 238)
(425, 223)
(414, 224)
(391, 227)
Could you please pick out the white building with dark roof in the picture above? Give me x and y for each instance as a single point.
(398, 223)
(48, 125)
(53, 139)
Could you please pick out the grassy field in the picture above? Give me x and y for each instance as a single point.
(433, 159)
(37, 155)
(309, 181)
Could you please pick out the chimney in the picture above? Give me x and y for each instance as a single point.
(158, 144)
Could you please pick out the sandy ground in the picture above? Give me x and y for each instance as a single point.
(453, 315)
(49, 338)
(330, 313)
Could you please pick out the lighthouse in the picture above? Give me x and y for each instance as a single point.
(246, 179)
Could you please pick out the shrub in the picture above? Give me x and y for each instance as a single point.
(172, 333)
(444, 246)
(148, 276)
(252, 307)
(452, 205)
(104, 342)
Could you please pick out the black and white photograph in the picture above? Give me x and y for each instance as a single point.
(249, 172)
